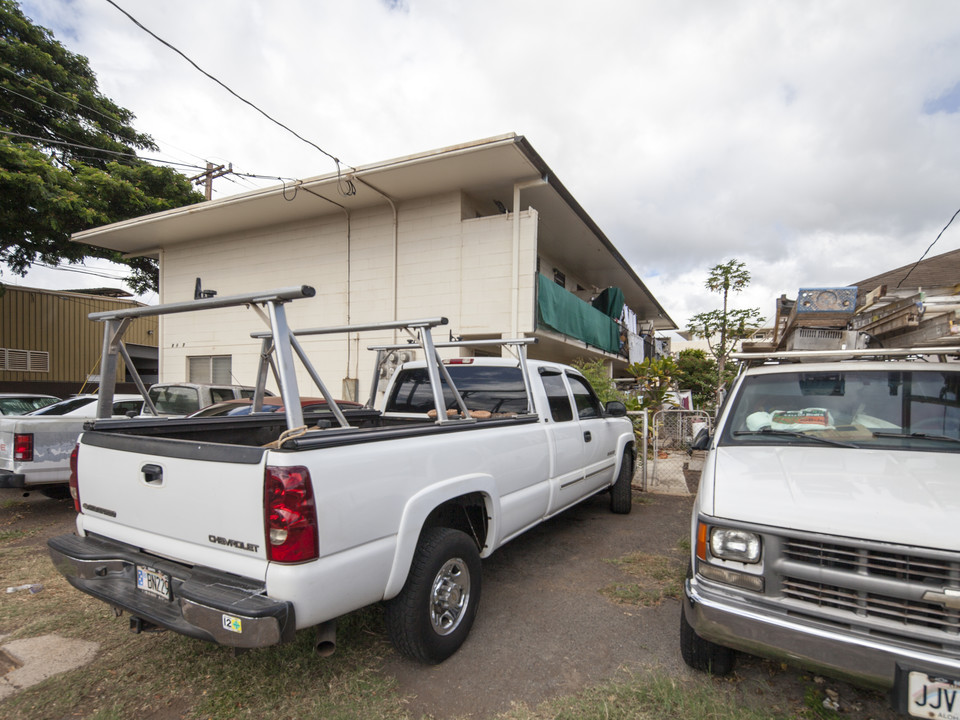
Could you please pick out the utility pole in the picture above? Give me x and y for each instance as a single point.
(206, 178)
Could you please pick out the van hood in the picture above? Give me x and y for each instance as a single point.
(909, 498)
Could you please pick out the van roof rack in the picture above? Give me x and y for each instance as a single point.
(942, 354)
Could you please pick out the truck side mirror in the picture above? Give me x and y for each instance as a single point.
(701, 441)
(615, 408)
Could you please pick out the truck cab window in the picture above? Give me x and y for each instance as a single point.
(588, 406)
(557, 397)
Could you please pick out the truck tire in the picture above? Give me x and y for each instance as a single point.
(701, 654)
(432, 616)
(621, 493)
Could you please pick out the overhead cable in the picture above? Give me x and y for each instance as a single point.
(234, 93)
(927, 250)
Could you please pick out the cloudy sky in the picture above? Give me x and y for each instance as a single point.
(818, 142)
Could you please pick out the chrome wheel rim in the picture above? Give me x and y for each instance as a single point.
(450, 596)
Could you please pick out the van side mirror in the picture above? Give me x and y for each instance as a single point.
(701, 441)
(615, 408)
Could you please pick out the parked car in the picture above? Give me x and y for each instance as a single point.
(823, 533)
(186, 398)
(86, 406)
(23, 403)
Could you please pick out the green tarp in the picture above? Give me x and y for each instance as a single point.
(566, 313)
(610, 302)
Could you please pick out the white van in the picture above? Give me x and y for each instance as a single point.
(825, 528)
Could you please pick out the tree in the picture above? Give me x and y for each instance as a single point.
(68, 156)
(654, 378)
(722, 329)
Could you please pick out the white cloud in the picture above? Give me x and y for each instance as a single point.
(801, 137)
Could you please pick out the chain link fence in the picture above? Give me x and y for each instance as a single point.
(666, 459)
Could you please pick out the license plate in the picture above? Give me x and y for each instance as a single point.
(930, 696)
(153, 582)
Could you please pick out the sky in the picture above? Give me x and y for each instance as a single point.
(815, 141)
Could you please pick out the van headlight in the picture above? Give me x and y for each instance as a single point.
(732, 544)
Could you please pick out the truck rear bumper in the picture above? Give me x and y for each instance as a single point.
(205, 604)
(10, 479)
(817, 647)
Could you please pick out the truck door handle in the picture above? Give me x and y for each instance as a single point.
(587, 437)
(152, 474)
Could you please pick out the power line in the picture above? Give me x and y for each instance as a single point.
(927, 250)
(232, 92)
(126, 156)
(63, 113)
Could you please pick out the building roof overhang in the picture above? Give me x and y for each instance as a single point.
(487, 169)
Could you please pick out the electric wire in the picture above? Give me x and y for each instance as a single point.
(122, 155)
(350, 188)
(63, 113)
(928, 249)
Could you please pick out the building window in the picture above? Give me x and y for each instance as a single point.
(215, 369)
(559, 278)
(24, 360)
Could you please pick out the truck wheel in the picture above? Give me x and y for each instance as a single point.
(431, 617)
(702, 654)
(621, 494)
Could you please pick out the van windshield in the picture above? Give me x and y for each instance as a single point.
(890, 409)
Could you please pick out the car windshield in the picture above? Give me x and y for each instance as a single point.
(22, 405)
(496, 389)
(891, 409)
(64, 406)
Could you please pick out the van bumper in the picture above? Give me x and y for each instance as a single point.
(205, 604)
(817, 647)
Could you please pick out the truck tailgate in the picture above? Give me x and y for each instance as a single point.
(196, 503)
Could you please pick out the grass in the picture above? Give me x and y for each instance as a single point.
(653, 578)
(649, 696)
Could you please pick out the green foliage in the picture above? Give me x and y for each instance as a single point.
(697, 372)
(68, 157)
(598, 376)
(654, 378)
(723, 328)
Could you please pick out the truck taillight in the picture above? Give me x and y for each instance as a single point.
(74, 484)
(23, 446)
(290, 515)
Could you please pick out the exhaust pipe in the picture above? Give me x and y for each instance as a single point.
(326, 640)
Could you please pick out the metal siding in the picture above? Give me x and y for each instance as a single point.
(57, 323)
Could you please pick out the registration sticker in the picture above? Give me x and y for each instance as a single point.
(929, 696)
(232, 624)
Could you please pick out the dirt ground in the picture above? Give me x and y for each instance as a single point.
(544, 628)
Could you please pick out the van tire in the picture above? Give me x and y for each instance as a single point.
(621, 492)
(432, 615)
(701, 654)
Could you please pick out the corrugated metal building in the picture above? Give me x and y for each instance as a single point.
(47, 343)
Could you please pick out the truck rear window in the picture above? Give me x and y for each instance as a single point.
(491, 388)
(893, 409)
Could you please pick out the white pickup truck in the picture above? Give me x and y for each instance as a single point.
(35, 449)
(824, 532)
(241, 530)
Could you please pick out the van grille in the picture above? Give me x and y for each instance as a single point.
(867, 561)
(869, 605)
(897, 571)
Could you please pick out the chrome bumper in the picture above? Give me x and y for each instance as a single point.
(822, 648)
(206, 604)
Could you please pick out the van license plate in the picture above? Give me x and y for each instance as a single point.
(930, 696)
(153, 582)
